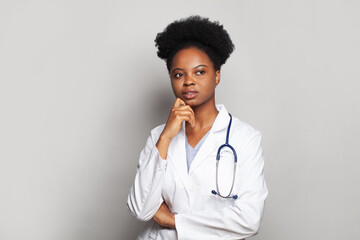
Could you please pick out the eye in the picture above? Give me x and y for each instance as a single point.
(201, 72)
(178, 75)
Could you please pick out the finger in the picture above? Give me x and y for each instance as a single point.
(182, 112)
(183, 109)
(186, 107)
(182, 118)
(178, 102)
(191, 116)
(186, 117)
(182, 102)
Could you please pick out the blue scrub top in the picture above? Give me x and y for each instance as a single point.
(191, 152)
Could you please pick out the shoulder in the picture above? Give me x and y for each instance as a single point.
(238, 128)
(246, 139)
(244, 131)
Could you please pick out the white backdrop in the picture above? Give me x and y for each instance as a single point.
(81, 88)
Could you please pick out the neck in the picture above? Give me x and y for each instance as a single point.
(205, 116)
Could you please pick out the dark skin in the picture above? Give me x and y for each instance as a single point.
(193, 80)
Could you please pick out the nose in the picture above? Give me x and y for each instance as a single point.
(189, 81)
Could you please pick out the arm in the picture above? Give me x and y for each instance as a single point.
(164, 217)
(145, 195)
(240, 220)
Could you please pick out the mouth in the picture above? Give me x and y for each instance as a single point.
(190, 94)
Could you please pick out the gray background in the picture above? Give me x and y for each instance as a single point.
(81, 88)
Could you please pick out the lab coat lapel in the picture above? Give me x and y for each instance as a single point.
(178, 155)
(209, 147)
(216, 137)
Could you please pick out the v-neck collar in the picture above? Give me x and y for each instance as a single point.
(198, 145)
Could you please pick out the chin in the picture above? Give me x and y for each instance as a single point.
(192, 103)
(189, 101)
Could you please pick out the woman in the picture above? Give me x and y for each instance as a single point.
(178, 188)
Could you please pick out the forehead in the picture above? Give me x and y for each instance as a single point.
(190, 57)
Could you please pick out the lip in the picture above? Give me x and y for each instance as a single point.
(190, 94)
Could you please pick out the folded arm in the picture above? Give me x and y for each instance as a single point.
(145, 196)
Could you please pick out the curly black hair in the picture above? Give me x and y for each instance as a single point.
(195, 31)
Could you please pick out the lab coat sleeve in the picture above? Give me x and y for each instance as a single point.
(237, 221)
(145, 196)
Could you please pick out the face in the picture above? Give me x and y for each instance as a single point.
(193, 77)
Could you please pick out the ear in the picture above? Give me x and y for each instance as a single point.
(217, 77)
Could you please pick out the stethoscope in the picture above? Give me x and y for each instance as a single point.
(217, 192)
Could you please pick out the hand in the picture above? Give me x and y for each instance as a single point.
(164, 217)
(180, 112)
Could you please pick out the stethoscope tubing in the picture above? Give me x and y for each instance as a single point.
(232, 185)
(217, 192)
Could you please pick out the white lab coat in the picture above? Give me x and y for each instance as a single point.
(198, 213)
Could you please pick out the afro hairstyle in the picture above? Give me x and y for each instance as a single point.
(195, 31)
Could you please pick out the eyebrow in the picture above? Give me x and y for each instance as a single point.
(201, 65)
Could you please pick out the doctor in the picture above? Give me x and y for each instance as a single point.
(179, 189)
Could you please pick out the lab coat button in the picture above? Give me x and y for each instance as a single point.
(192, 188)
